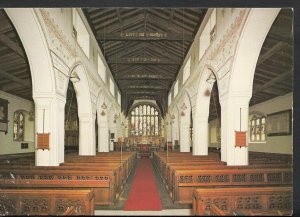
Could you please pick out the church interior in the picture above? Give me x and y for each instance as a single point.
(146, 111)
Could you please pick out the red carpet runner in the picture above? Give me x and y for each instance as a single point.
(143, 194)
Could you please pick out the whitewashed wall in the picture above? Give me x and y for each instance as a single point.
(7, 144)
(274, 144)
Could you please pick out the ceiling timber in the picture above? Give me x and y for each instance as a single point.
(145, 47)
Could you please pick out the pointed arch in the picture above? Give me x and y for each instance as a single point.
(248, 49)
(86, 113)
(201, 113)
(82, 90)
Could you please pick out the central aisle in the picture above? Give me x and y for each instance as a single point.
(144, 193)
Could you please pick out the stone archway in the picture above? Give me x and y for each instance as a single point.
(86, 114)
(49, 106)
(235, 103)
(201, 113)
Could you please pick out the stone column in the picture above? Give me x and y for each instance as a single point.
(200, 133)
(232, 121)
(103, 137)
(184, 137)
(49, 118)
(87, 144)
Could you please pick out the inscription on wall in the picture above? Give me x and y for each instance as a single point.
(144, 35)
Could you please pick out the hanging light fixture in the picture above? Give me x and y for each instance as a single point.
(74, 76)
(103, 106)
(115, 118)
(183, 107)
(172, 117)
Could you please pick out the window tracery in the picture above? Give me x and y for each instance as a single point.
(145, 120)
(19, 125)
(257, 126)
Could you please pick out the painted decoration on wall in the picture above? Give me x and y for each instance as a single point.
(3, 115)
(279, 123)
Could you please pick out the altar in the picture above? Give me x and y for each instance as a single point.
(144, 150)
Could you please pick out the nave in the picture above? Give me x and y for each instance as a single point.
(122, 183)
(98, 104)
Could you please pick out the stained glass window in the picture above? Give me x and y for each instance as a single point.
(145, 121)
(19, 124)
(257, 126)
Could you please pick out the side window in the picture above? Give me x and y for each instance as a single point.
(19, 126)
(257, 126)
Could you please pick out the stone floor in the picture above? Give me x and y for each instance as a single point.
(169, 208)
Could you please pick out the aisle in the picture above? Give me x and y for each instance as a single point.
(144, 193)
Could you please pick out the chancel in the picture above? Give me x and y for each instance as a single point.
(146, 111)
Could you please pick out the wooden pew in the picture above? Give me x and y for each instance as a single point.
(106, 175)
(70, 211)
(102, 182)
(230, 201)
(119, 174)
(188, 166)
(170, 179)
(46, 202)
(185, 181)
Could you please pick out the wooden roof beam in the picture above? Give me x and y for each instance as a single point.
(156, 19)
(5, 28)
(145, 76)
(129, 21)
(144, 61)
(277, 47)
(12, 45)
(144, 36)
(157, 87)
(272, 82)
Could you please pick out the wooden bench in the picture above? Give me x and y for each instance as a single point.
(70, 211)
(106, 175)
(170, 178)
(120, 176)
(185, 181)
(230, 201)
(102, 182)
(46, 202)
(182, 172)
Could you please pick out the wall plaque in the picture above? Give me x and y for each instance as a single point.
(43, 141)
(240, 139)
(279, 123)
